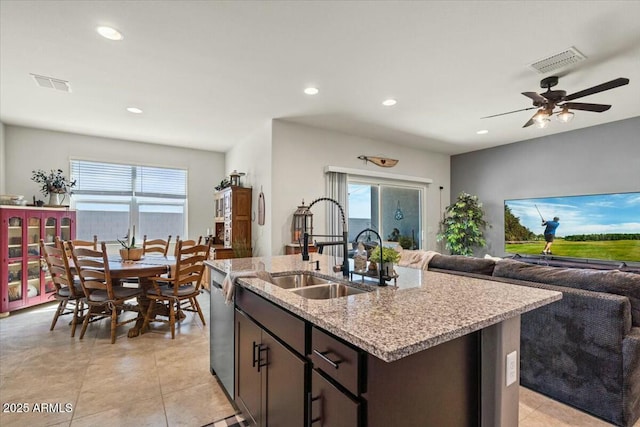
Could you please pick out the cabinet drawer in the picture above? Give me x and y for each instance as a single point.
(330, 407)
(280, 323)
(338, 360)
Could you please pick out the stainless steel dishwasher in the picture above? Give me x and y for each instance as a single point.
(222, 335)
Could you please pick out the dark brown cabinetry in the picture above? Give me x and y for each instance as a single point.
(232, 221)
(343, 385)
(270, 378)
(336, 381)
(329, 406)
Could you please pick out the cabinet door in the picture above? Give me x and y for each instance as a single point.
(50, 230)
(248, 378)
(330, 407)
(284, 384)
(33, 289)
(66, 228)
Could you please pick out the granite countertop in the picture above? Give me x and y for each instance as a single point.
(424, 309)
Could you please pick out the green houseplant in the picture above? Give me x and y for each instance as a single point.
(129, 249)
(388, 255)
(462, 227)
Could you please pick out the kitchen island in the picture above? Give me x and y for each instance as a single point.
(430, 350)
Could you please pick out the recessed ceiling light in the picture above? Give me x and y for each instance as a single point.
(389, 102)
(134, 110)
(482, 132)
(311, 91)
(109, 33)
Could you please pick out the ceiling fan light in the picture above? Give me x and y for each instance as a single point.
(565, 116)
(541, 124)
(541, 116)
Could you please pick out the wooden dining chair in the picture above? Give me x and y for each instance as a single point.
(156, 245)
(93, 244)
(180, 291)
(103, 299)
(187, 244)
(68, 292)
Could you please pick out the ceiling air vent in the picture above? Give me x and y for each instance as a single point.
(559, 60)
(51, 83)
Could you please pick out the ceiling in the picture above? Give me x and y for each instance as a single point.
(209, 74)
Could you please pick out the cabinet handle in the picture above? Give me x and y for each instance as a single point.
(262, 348)
(254, 360)
(310, 400)
(322, 355)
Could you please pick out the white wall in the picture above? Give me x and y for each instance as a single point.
(3, 166)
(300, 154)
(253, 156)
(594, 160)
(27, 149)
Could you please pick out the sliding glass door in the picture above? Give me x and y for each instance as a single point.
(392, 209)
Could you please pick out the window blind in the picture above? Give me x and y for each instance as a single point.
(97, 178)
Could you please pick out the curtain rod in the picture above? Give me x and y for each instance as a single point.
(362, 172)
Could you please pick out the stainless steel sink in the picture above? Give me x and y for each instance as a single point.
(297, 280)
(327, 291)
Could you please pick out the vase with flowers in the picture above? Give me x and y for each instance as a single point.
(129, 251)
(54, 184)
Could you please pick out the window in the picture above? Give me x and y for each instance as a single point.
(393, 209)
(111, 198)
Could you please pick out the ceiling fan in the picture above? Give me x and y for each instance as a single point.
(546, 102)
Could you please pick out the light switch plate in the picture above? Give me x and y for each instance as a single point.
(512, 368)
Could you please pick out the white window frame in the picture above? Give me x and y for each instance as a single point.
(134, 202)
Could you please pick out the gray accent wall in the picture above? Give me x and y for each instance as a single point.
(594, 160)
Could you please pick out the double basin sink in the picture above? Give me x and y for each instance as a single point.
(310, 286)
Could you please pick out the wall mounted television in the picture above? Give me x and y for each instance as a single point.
(597, 226)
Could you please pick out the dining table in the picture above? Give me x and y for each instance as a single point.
(143, 269)
(149, 266)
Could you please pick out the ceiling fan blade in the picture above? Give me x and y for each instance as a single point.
(502, 114)
(621, 81)
(530, 122)
(596, 108)
(536, 97)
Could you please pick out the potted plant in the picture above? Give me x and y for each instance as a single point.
(129, 250)
(389, 257)
(54, 184)
(463, 225)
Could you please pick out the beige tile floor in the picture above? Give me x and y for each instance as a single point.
(150, 380)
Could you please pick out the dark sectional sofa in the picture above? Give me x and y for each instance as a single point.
(583, 350)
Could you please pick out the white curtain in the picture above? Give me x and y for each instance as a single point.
(336, 189)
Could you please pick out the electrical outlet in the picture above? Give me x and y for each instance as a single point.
(512, 368)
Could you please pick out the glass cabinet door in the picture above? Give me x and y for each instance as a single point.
(15, 237)
(33, 236)
(15, 281)
(33, 278)
(65, 229)
(50, 225)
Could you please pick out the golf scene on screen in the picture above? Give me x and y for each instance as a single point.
(600, 226)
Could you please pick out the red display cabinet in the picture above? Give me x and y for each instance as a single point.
(24, 281)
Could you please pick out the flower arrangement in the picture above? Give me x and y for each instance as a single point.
(53, 182)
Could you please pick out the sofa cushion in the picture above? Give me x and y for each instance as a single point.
(463, 263)
(610, 281)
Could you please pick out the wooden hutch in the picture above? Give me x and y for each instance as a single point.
(232, 223)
